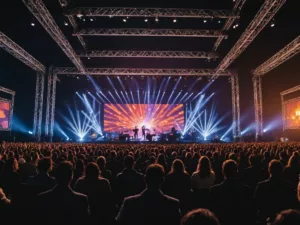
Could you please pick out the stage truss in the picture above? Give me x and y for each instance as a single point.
(276, 60)
(149, 54)
(12, 103)
(39, 10)
(17, 51)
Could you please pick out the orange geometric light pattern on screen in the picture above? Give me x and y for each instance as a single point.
(162, 117)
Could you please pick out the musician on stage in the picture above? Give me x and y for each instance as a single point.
(135, 131)
(144, 132)
(173, 130)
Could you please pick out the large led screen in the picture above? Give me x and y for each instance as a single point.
(155, 117)
(292, 114)
(4, 115)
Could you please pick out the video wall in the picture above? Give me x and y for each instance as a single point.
(292, 114)
(4, 115)
(155, 117)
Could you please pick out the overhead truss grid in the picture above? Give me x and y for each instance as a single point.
(261, 19)
(150, 54)
(152, 12)
(17, 51)
(149, 32)
(282, 56)
(41, 13)
(140, 72)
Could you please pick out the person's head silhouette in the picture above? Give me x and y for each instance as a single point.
(64, 173)
(154, 176)
(230, 169)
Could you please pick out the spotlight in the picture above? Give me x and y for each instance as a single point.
(79, 15)
(156, 19)
(124, 20)
(32, 24)
(272, 23)
(83, 20)
(219, 21)
(205, 21)
(235, 26)
(110, 16)
(30, 132)
(91, 19)
(146, 20)
(77, 78)
(89, 57)
(66, 24)
(174, 20)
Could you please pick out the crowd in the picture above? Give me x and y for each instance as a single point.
(151, 184)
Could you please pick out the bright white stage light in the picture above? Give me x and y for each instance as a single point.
(156, 19)
(124, 20)
(30, 132)
(146, 20)
(91, 19)
(32, 24)
(66, 24)
(174, 20)
(205, 21)
(79, 15)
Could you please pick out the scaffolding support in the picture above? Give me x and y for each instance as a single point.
(258, 107)
(38, 107)
(50, 109)
(236, 115)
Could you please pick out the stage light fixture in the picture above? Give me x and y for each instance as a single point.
(124, 20)
(32, 24)
(66, 24)
(77, 78)
(79, 15)
(146, 20)
(89, 57)
(156, 19)
(174, 20)
(110, 16)
(205, 21)
(83, 20)
(30, 132)
(272, 23)
(219, 21)
(91, 19)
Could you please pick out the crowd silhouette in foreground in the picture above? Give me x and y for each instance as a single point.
(151, 184)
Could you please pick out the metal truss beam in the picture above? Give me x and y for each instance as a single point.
(51, 99)
(291, 90)
(38, 107)
(236, 9)
(262, 18)
(150, 32)
(8, 91)
(72, 20)
(41, 13)
(150, 54)
(282, 56)
(140, 72)
(236, 117)
(17, 51)
(258, 107)
(152, 12)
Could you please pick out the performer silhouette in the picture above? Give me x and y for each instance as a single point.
(144, 132)
(135, 131)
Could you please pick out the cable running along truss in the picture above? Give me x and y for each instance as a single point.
(262, 18)
(150, 54)
(152, 12)
(140, 72)
(41, 13)
(150, 32)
